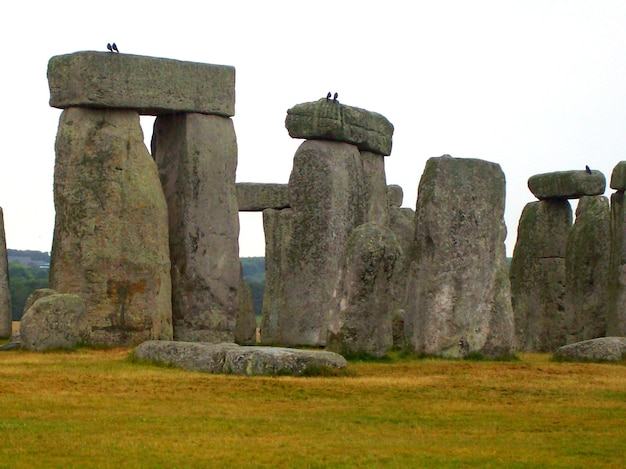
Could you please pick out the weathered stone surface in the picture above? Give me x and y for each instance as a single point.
(148, 85)
(375, 188)
(397, 329)
(587, 269)
(325, 191)
(34, 296)
(567, 184)
(233, 359)
(537, 275)
(54, 322)
(110, 236)
(604, 349)
(245, 329)
(458, 300)
(278, 227)
(5, 292)
(330, 120)
(197, 159)
(618, 177)
(360, 315)
(256, 197)
(395, 194)
(616, 312)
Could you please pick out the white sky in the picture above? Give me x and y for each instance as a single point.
(534, 85)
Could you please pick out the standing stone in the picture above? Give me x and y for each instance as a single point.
(5, 292)
(586, 269)
(360, 316)
(538, 275)
(458, 300)
(375, 188)
(245, 329)
(110, 235)
(278, 227)
(616, 312)
(325, 193)
(197, 158)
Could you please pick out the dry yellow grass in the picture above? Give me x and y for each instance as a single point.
(97, 409)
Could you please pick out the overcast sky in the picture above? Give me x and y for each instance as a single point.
(534, 85)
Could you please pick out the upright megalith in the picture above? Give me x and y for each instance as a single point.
(587, 269)
(458, 299)
(111, 235)
(537, 275)
(197, 158)
(616, 311)
(5, 292)
(360, 320)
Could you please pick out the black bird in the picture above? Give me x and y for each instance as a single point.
(328, 96)
(114, 46)
(109, 47)
(587, 169)
(335, 97)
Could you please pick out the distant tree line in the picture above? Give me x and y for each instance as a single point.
(24, 279)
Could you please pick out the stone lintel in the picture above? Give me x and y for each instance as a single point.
(256, 197)
(329, 120)
(567, 184)
(149, 85)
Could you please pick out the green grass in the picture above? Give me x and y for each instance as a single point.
(97, 408)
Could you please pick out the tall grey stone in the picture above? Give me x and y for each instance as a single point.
(5, 292)
(538, 275)
(616, 312)
(375, 188)
(325, 193)
(586, 270)
(458, 300)
(110, 235)
(197, 158)
(360, 319)
(245, 328)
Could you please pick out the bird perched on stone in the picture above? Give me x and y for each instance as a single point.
(335, 97)
(328, 96)
(109, 47)
(587, 169)
(114, 46)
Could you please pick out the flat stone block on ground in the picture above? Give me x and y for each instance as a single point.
(566, 184)
(256, 197)
(329, 120)
(149, 85)
(604, 349)
(234, 359)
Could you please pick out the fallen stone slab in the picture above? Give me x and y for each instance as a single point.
(567, 184)
(604, 349)
(256, 197)
(149, 85)
(329, 120)
(240, 360)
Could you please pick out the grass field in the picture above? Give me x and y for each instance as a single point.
(95, 408)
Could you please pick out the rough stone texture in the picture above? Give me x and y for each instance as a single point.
(148, 85)
(538, 275)
(256, 197)
(233, 359)
(278, 228)
(567, 184)
(360, 316)
(325, 191)
(34, 296)
(375, 188)
(586, 270)
(110, 236)
(618, 177)
(245, 329)
(54, 322)
(604, 349)
(458, 300)
(397, 329)
(616, 312)
(395, 194)
(197, 159)
(330, 120)
(5, 292)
